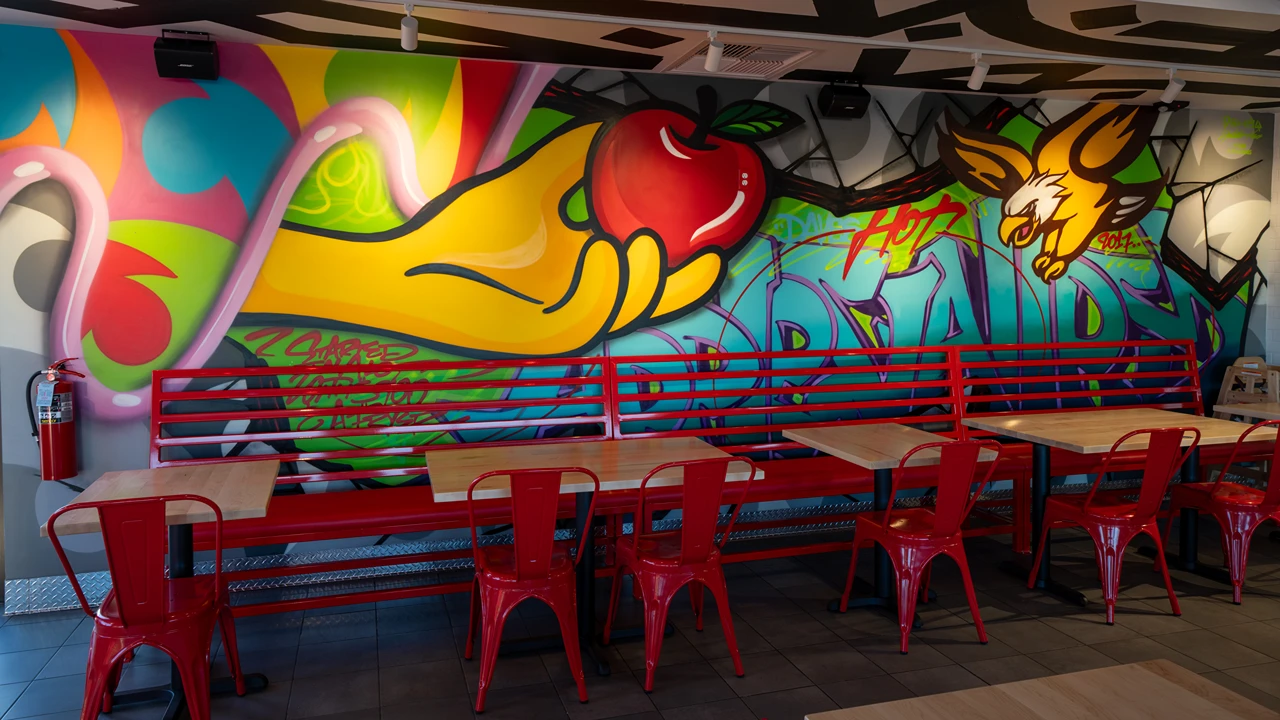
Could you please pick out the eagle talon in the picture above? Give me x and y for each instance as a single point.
(1049, 267)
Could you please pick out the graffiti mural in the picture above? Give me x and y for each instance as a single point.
(375, 207)
(1064, 192)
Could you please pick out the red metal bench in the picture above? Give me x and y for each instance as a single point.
(742, 403)
(1066, 377)
(369, 424)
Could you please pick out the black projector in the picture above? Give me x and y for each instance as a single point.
(186, 55)
(843, 101)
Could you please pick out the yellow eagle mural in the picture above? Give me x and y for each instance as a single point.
(1064, 191)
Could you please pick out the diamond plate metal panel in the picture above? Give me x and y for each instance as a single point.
(23, 596)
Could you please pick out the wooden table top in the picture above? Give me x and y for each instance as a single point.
(620, 464)
(1257, 411)
(1094, 431)
(1153, 690)
(875, 447)
(240, 489)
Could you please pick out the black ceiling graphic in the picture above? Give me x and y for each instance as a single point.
(613, 34)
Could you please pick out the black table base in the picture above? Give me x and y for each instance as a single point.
(1066, 594)
(1041, 472)
(175, 697)
(865, 596)
(587, 587)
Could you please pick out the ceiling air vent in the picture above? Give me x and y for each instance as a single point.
(756, 61)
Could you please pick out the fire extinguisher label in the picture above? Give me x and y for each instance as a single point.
(44, 394)
(58, 411)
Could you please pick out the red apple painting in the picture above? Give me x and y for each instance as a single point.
(696, 182)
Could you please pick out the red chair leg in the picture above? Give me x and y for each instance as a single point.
(104, 660)
(962, 561)
(1237, 531)
(853, 570)
(1035, 563)
(615, 593)
(719, 590)
(113, 680)
(227, 623)
(473, 619)
(495, 605)
(566, 611)
(695, 600)
(908, 591)
(1110, 543)
(1164, 569)
(657, 591)
(924, 584)
(194, 668)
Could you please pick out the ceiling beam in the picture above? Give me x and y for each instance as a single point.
(464, 6)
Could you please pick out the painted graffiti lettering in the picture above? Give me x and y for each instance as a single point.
(311, 348)
(1123, 241)
(314, 347)
(908, 225)
(1242, 131)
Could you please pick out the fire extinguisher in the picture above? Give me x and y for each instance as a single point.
(53, 421)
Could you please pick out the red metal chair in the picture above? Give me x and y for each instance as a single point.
(914, 537)
(1239, 509)
(536, 566)
(663, 562)
(1112, 521)
(145, 607)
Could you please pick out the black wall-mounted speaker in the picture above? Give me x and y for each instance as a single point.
(843, 101)
(187, 55)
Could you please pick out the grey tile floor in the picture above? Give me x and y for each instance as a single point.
(400, 660)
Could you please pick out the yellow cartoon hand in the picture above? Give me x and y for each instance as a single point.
(488, 268)
(690, 285)
(679, 289)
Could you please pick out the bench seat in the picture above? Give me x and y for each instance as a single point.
(325, 516)
(1065, 462)
(391, 511)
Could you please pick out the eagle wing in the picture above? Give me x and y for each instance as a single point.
(982, 161)
(1129, 203)
(1097, 140)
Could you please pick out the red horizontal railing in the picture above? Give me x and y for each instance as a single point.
(352, 422)
(857, 386)
(1013, 378)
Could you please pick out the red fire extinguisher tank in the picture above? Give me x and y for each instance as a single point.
(53, 421)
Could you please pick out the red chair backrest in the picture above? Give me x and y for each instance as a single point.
(535, 497)
(1272, 498)
(1165, 455)
(957, 473)
(135, 539)
(701, 497)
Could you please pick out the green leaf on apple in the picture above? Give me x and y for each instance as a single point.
(754, 120)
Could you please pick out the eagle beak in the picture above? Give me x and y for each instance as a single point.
(1018, 230)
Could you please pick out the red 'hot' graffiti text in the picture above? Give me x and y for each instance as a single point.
(908, 225)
